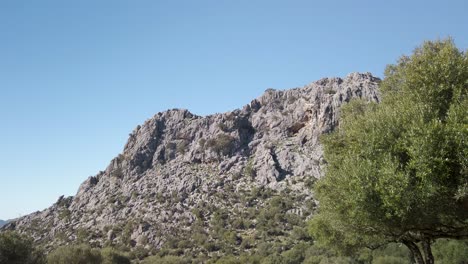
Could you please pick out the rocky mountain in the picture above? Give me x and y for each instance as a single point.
(217, 184)
(2, 223)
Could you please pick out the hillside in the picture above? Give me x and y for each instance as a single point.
(218, 184)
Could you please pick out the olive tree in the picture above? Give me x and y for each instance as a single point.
(397, 171)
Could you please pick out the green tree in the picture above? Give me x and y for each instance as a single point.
(398, 171)
(75, 254)
(223, 144)
(18, 249)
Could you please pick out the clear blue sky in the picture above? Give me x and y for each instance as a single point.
(77, 76)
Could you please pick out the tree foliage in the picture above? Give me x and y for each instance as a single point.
(84, 254)
(75, 254)
(112, 256)
(397, 171)
(18, 249)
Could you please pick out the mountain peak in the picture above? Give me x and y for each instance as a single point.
(178, 172)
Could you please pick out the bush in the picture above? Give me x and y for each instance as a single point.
(296, 254)
(112, 256)
(182, 146)
(75, 254)
(274, 259)
(140, 252)
(249, 169)
(451, 251)
(228, 260)
(251, 259)
(18, 249)
(165, 260)
(222, 144)
(389, 260)
(223, 127)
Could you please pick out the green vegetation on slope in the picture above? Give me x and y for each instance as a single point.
(446, 251)
(18, 249)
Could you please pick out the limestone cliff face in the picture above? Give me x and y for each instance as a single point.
(178, 171)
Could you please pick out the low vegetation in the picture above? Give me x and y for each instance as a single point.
(222, 144)
(16, 249)
(19, 249)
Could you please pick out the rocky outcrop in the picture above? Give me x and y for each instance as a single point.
(178, 171)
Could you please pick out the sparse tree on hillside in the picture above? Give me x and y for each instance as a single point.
(18, 249)
(398, 171)
(75, 254)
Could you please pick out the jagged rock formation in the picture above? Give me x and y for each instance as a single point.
(215, 182)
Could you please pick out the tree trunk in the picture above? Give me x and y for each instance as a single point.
(413, 260)
(428, 251)
(415, 252)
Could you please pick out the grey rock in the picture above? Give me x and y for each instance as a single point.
(176, 162)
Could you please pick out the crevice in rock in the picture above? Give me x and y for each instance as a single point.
(282, 172)
(246, 131)
(143, 159)
(294, 129)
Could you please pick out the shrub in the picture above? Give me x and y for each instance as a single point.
(223, 144)
(64, 214)
(18, 249)
(117, 173)
(295, 255)
(329, 91)
(202, 142)
(223, 127)
(274, 259)
(182, 146)
(64, 202)
(249, 169)
(165, 260)
(140, 252)
(451, 251)
(389, 260)
(82, 235)
(113, 256)
(74, 254)
(228, 260)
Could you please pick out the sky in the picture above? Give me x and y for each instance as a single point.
(76, 77)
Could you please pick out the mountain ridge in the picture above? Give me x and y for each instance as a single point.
(207, 180)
